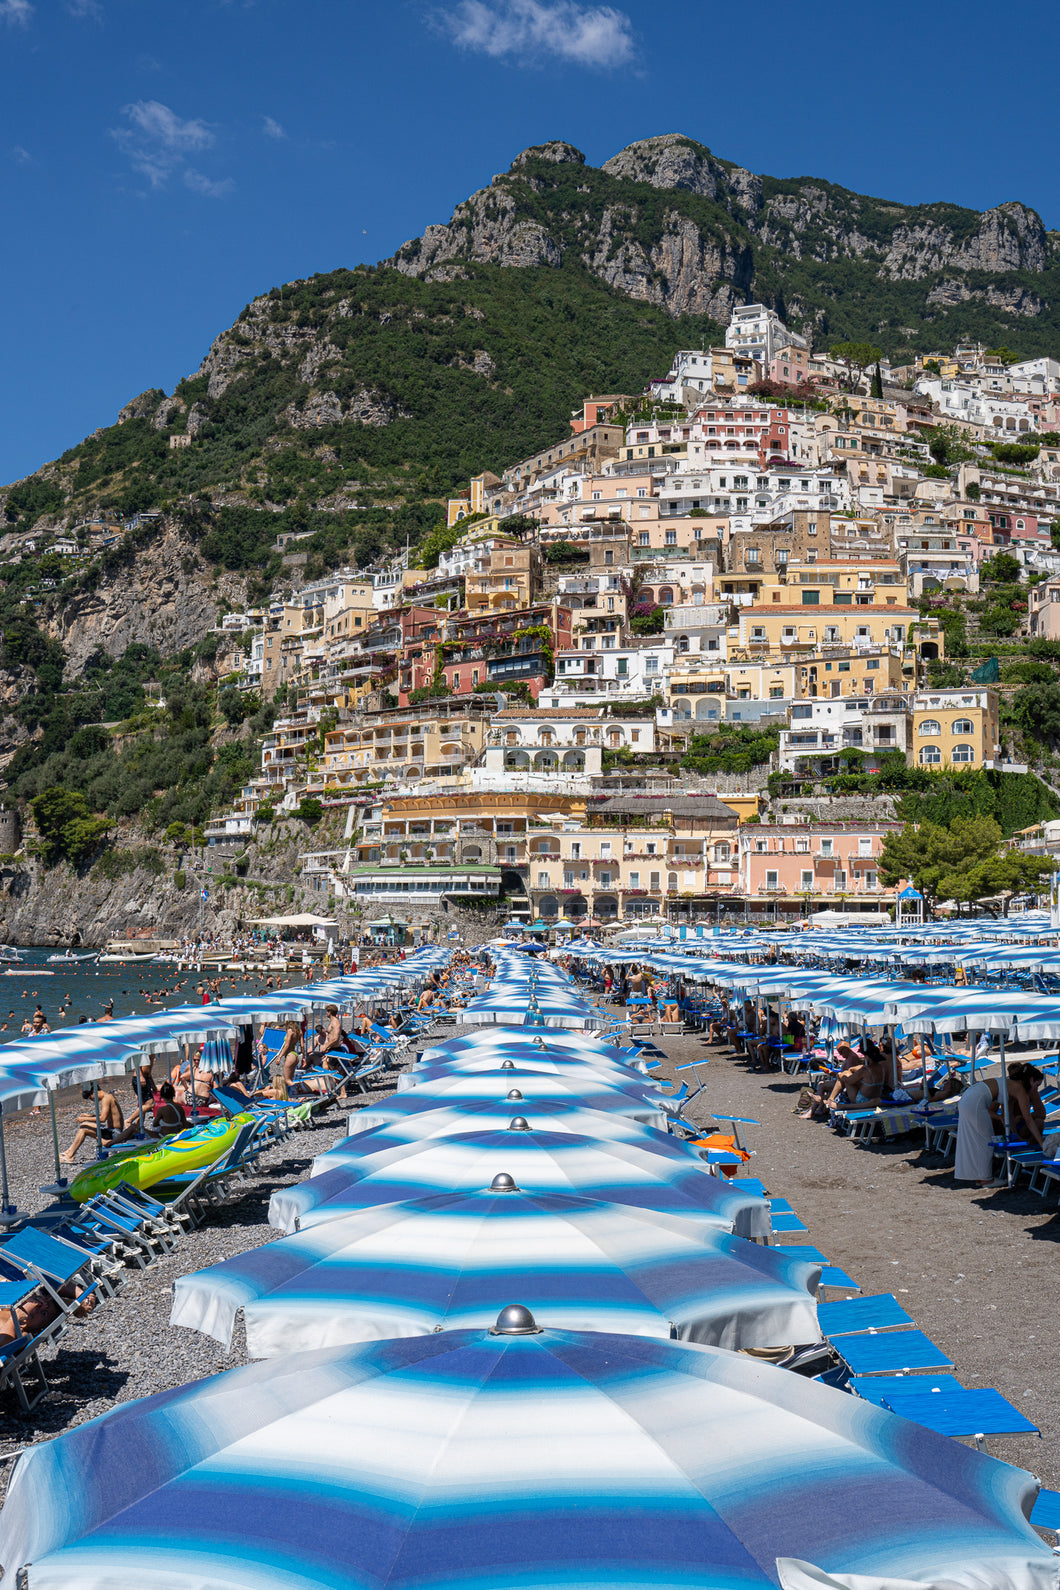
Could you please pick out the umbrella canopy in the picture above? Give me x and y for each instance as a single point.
(442, 1263)
(615, 1074)
(656, 1177)
(412, 1119)
(601, 1091)
(527, 1046)
(559, 1459)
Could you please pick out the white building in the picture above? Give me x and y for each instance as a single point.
(760, 332)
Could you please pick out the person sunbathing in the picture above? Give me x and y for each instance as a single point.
(168, 1115)
(111, 1122)
(40, 1309)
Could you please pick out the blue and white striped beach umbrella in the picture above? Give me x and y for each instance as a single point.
(552, 1461)
(566, 1080)
(516, 1043)
(659, 1177)
(535, 1062)
(448, 1262)
(651, 1109)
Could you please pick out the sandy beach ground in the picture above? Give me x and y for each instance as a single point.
(977, 1270)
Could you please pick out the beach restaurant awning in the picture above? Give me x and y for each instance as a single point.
(301, 919)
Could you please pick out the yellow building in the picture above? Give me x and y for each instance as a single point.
(430, 740)
(843, 582)
(506, 582)
(955, 728)
(786, 627)
(475, 501)
(851, 672)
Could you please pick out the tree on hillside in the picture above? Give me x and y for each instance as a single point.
(1037, 711)
(855, 357)
(961, 861)
(1001, 569)
(66, 825)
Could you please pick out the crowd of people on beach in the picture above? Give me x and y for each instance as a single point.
(307, 1062)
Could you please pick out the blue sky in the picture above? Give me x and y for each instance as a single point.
(162, 161)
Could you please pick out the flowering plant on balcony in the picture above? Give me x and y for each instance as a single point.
(633, 892)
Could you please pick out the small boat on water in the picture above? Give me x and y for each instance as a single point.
(68, 958)
(26, 971)
(126, 960)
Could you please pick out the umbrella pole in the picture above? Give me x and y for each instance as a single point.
(99, 1123)
(8, 1212)
(191, 1087)
(1005, 1116)
(60, 1179)
(894, 1061)
(140, 1093)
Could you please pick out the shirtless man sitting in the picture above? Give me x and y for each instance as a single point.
(111, 1122)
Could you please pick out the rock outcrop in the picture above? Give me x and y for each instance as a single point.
(728, 226)
(167, 598)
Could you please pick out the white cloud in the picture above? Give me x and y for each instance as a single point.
(18, 11)
(21, 156)
(85, 8)
(213, 190)
(163, 127)
(596, 36)
(157, 143)
(271, 128)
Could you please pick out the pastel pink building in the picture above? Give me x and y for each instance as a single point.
(804, 868)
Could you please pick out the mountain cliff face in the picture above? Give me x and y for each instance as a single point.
(344, 407)
(668, 222)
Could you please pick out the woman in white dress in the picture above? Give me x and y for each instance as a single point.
(979, 1120)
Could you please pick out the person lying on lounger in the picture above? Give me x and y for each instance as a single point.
(36, 1312)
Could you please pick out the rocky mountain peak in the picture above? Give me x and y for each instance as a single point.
(669, 161)
(558, 152)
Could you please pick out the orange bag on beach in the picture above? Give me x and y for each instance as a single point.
(720, 1141)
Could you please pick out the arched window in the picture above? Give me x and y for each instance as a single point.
(1020, 525)
(671, 881)
(666, 597)
(930, 754)
(682, 643)
(963, 753)
(962, 726)
(930, 726)
(574, 761)
(517, 761)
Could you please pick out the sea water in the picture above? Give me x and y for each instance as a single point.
(85, 988)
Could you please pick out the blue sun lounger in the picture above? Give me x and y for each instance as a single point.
(20, 1358)
(856, 1314)
(831, 1274)
(1045, 1514)
(878, 1388)
(889, 1352)
(961, 1413)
